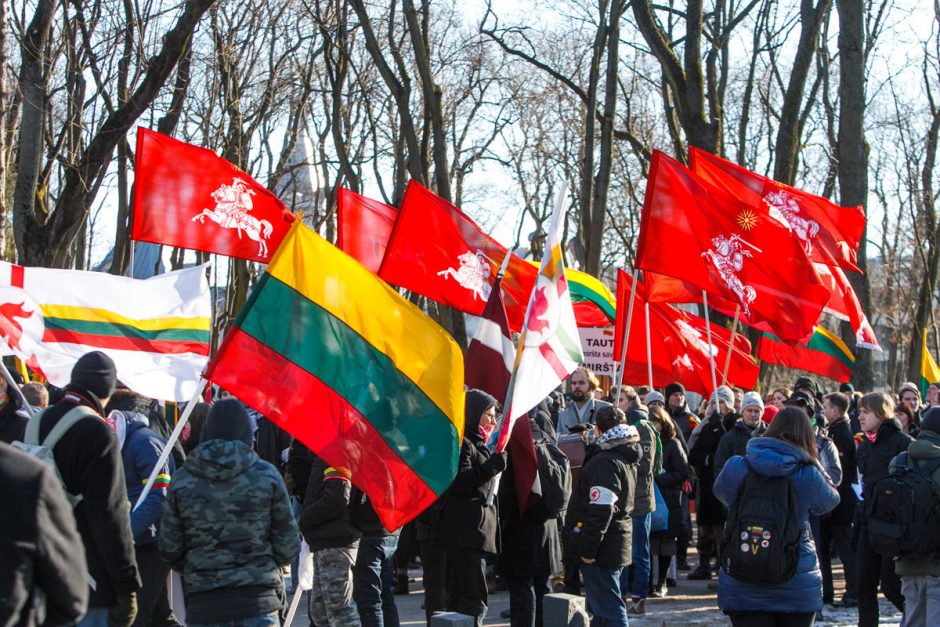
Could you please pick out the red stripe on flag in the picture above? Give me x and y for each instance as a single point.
(17, 275)
(122, 342)
(326, 423)
(549, 354)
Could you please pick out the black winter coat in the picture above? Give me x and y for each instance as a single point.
(734, 442)
(595, 527)
(40, 548)
(531, 542)
(90, 463)
(676, 471)
(12, 422)
(326, 519)
(873, 459)
(708, 509)
(840, 432)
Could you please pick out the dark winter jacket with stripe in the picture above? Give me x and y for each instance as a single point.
(326, 520)
(140, 452)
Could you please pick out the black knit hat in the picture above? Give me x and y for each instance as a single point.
(227, 420)
(672, 388)
(930, 421)
(96, 373)
(806, 382)
(847, 388)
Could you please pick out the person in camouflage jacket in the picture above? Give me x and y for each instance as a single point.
(227, 525)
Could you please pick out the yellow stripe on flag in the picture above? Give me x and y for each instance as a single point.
(91, 314)
(418, 346)
(835, 339)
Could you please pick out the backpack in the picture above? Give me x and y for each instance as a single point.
(761, 540)
(554, 477)
(903, 512)
(44, 451)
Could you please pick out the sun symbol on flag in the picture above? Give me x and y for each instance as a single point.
(747, 219)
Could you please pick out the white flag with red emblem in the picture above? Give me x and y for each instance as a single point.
(549, 348)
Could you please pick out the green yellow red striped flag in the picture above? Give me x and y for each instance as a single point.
(365, 379)
(823, 353)
(929, 370)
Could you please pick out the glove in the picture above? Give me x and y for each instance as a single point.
(124, 612)
(498, 462)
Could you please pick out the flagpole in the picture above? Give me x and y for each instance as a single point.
(626, 339)
(174, 436)
(734, 329)
(11, 385)
(649, 348)
(708, 333)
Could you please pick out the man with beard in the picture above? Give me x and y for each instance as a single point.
(583, 406)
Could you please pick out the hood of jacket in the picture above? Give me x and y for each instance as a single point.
(477, 402)
(926, 446)
(774, 458)
(221, 460)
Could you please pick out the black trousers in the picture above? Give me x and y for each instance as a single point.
(152, 593)
(836, 538)
(466, 583)
(434, 567)
(772, 619)
(874, 568)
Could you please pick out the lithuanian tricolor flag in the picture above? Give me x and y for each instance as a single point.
(824, 354)
(341, 361)
(929, 370)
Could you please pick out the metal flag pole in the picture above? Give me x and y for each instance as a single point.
(734, 329)
(649, 346)
(174, 436)
(626, 339)
(708, 333)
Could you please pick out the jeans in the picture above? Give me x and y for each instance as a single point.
(374, 581)
(271, 619)
(921, 600)
(525, 600)
(636, 578)
(602, 588)
(96, 617)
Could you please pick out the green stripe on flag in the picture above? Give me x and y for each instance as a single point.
(581, 293)
(363, 376)
(111, 329)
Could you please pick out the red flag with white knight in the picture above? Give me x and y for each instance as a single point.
(189, 197)
(437, 251)
(722, 246)
(363, 227)
(679, 350)
(829, 233)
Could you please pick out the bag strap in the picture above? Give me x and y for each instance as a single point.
(928, 468)
(31, 436)
(65, 423)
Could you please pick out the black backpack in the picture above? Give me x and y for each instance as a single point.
(761, 539)
(903, 512)
(554, 477)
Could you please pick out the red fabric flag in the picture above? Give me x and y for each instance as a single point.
(363, 227)
(829, 233)
(488, 367)
(679, 350)
(189, 197)
(844, 304)
(721, 245)
(437, 251)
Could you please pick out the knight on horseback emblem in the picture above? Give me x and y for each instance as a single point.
(473, 273)
(728, 258)
(785, 210)
(232, 206)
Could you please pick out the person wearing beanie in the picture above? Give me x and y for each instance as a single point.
(227, 525)
(909, 395)
(710, 514)
(469, 525)
(932, 398)
(920, 575)
(597, 524)
(654, 397)
(880, 441)
(748, 426)
(769, 412)
(835, 530)
(686, 421)
(88, 457)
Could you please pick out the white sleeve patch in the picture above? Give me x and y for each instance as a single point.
(602, 496)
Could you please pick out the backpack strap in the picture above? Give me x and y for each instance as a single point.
(31, 436)
(61, 428)
(926, 467)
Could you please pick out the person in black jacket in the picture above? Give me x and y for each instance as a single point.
(881, 440)
(835, 530)
(40, 550)
(676, 471)
(13, 418)
(89, 460)
(531, 543)
(750, 425)
(598, 530)
(469, 526)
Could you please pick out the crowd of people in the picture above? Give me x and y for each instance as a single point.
(777, 485)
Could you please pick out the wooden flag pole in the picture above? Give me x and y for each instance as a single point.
(174, 436)
(708, 333)
(734, 329)
(626, 339)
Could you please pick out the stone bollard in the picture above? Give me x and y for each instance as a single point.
(451, 619)
(564, 610)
